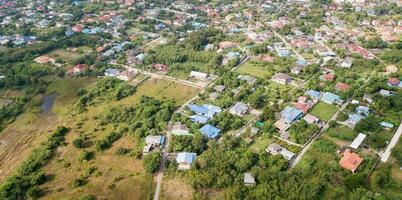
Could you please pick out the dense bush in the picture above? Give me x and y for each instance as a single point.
(152, 162)
(106, 143)
(106, 89)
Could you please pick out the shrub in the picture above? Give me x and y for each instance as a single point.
(107, 142)
(79, 182)
(88, 197)
(152, 162)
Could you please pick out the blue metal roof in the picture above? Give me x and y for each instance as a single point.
(198, 109)
(330, 97)
(185, 157)
(290, 114)
(355, 118)
(210, 131)
(313, 93)
(205, 110)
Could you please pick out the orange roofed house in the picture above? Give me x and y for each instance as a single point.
(350, 161)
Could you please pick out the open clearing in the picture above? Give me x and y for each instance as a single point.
(251, 69)
(163, 90)
(30, 128)
(176, 188)
(324, 111)
(107, 175)
(67, 55)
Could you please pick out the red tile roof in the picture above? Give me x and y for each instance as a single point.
(350, 161)
(393, 81)
(342, 86)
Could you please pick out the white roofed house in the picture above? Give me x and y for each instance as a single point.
(179, 129)
(281, 78)
(126, 75)
(276, 149)
(152, 142)
(249, 179)
(239, 109)
(199, 75)
(112, 72)
(358, 141)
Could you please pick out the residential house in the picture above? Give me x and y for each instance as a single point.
(311, 119)
(44, 60)
(281, 78)
(283, 53)
(387, 125)
(362, 110)
(179, 129)
(213, 96)
(290, 114)
(199, 119)
(210, 131)
(185, 160)
(347, 62)
(329, 77)
(152, 142)
(358, 141)
(126, 75)
(386, 93)
(205, 110)
(77, 69)
(350, 161)
(227, 44)
(249, 179)
(276, 149)
(342, 87)
(219, 88)
(282, 125)
(239, 109)
(354, 48)
(330, 98)
(161, 67)
(354, 119)
(110, 72)
(367, 98)
(313, 94)
(305, 106)
(390, 69)
(393, 82)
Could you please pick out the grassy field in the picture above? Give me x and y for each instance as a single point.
(107, 175)
(249, 68)
(31, 127)
(68, 56)
(162, 89)
(260, 144)
(324, 111)
(342, 133)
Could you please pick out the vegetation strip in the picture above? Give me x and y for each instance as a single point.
(29, 176)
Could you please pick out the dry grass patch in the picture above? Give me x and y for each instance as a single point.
(175, 188)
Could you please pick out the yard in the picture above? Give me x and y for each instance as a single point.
(324, 111)
(260, 144)
(342, 133)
